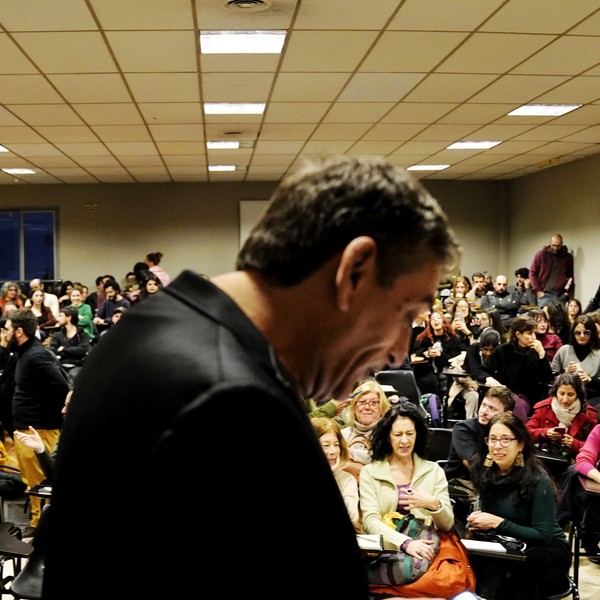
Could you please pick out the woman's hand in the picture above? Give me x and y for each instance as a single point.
(553, 435)
(421, 549)
(585, 378)
(483, 520)
(537, 346)
(413, 498)
(567, 441)
(460, 325)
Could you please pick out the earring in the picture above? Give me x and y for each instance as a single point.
(519, 462)
(488, 462)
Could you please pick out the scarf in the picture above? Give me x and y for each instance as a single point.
(566, 415)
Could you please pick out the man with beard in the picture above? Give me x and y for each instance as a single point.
(40, 391)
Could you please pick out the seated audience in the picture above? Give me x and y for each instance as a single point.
(43, 314)
(507, 304)
(521, 365)
(581, 355)
(401, 480)
(334, 445)
(557, 318)
(150, 287)
(463, 321)
(10, 294)
(50, 300)
(586, 463)
(460, 287)
(517, 499)
(550, 341)
(561, 423)
(64, 293)
(369, 403)
(113, 300)
(467, 435)
(86, 318)
(574, 310)
(463, 396)
(435, 347)
(70, 344)
(477, 290)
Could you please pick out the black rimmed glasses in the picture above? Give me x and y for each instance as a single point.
(505, 442)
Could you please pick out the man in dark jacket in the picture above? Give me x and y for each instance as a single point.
(40, 391)
(551, 273)
(181, 416)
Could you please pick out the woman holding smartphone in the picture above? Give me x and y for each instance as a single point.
(562, 422)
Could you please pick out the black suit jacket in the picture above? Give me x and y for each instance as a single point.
(187, 464)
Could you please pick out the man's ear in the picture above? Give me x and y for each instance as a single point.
(357, 266)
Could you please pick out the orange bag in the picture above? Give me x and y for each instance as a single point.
(450, 572)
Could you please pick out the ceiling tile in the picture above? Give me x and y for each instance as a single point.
(13, 59)
(93, 88)
(109, 114)
(308, 87)
(63, 133)
(46, 114)
(297, 112)
(164, 87)
(345, 14)
(178, 133)
(517, 88)
(20, 89)
(176, 112)
(122, 133)
(40, 15)
(143, 14)
(233, 87)
(440, 87)
(383, 87)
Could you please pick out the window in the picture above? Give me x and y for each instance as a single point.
(28, 240)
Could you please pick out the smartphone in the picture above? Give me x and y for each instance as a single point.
(560, 430)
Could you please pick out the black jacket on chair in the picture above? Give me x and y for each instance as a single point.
(167, 467)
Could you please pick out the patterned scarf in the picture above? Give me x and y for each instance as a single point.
(565, 415)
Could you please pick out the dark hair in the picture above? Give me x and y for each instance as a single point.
(520, 324)
(63, 287)
(557, 315)
(523, 272)
(154, 257)
(316, 212)
(489, 337)
(526, 477)
(25, 319)
(381, 447)
(589, 324)
(71, 311)
(141, 272)
(496, 320)
(113, 284)
(477, 274)
(573, 380)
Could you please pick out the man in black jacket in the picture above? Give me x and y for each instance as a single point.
(182, 417)
(40, 391)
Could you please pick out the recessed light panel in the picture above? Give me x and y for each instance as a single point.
(226, 145)
(234, 108)
(472, 145)
(220, 168)
(427, 167)
(3, 149)
(19, 171)
(241, 42)
(543, 110)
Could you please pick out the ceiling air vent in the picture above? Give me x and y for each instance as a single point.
(247, 5)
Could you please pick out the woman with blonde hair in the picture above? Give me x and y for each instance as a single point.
(369, 403)
(329, 434)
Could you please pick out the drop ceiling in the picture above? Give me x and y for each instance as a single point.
(111, 91)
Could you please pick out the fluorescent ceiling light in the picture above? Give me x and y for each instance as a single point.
(472, 145)
(221, 167)
(427, 167)
(222, 145)
(19, 171)
(543, 110)
(3, 149)
(241, 42)
(234, 108)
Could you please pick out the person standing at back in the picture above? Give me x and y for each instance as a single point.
(327, 285)
(153, 260)
(40, 391)
(551, 272)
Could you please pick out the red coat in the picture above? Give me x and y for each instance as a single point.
(544, 418)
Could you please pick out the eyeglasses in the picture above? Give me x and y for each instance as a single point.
(363, 403)
(504, 441)
(582, 333)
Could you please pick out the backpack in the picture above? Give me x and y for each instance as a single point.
(433, 405)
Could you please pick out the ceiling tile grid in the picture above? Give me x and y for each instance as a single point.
(106, 91)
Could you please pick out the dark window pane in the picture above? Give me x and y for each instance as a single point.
(38, 232)
(9, 257)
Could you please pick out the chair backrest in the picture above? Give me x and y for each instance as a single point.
(403, 381)
(438, 443)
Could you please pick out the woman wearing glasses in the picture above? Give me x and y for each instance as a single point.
(10, 294)
(369, 403)
(517, 499)
(582, 356)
